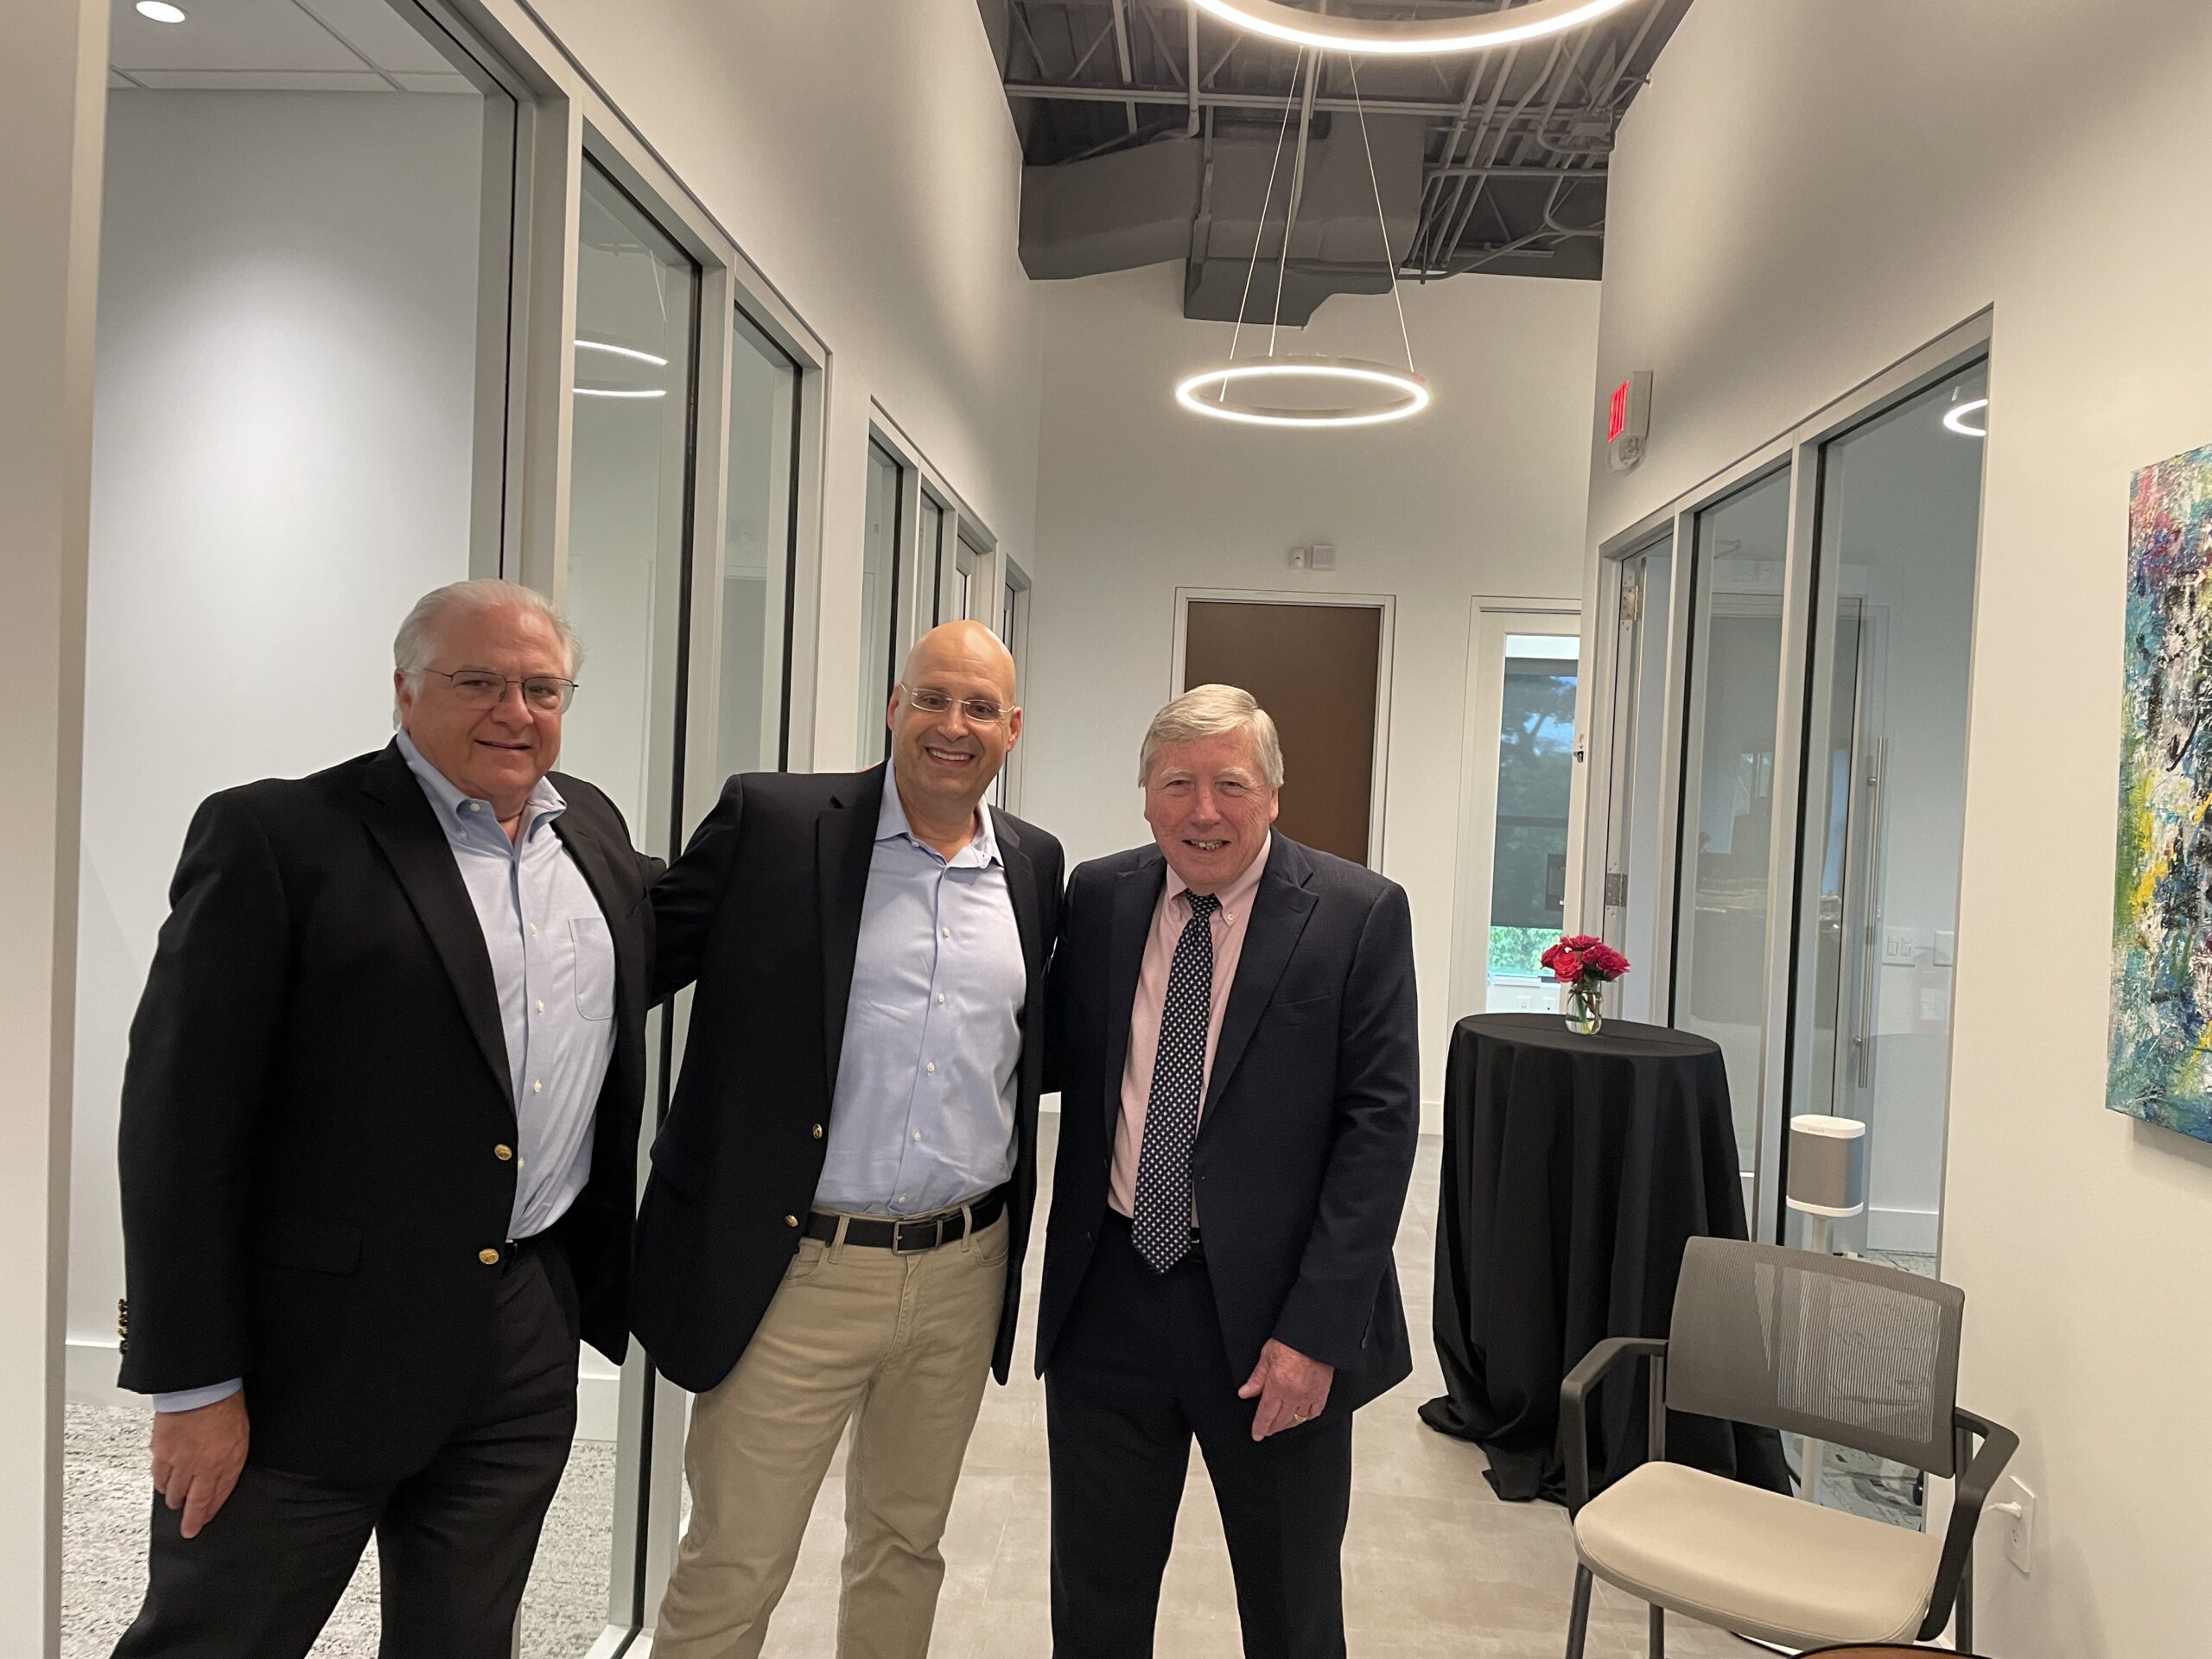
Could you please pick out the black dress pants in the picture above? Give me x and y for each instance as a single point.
(454, 1538)
(1139, 1371)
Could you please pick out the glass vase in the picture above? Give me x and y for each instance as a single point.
(1582, 1014)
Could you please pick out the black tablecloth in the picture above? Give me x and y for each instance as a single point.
(1575, 1171)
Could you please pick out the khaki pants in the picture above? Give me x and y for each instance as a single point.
(900, 1346)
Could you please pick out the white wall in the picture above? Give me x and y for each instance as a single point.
(281, 467)
(1804, 194)
(863, 156)
(1483, 494)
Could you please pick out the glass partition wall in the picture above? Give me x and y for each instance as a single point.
(879, 571)
(1778, 742)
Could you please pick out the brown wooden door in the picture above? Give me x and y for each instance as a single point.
(1317, 669)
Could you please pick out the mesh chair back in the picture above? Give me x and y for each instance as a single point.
(1865, 1357)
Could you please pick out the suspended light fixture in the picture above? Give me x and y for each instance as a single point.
(1207, 391)
(1955, 417)
(1408, 37)
(1412, 394)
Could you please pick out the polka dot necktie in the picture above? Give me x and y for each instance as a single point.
(1161, 1226)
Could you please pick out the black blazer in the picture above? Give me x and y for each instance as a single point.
(763, 910)
(317, 1079)
(1313, 1109)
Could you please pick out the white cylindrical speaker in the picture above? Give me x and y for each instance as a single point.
(1827, 1166)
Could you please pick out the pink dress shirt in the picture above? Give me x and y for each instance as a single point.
(1168, 917)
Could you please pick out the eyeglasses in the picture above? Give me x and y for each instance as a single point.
(480, 689)
(982, 711)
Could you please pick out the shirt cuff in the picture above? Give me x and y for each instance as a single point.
(192, 1399)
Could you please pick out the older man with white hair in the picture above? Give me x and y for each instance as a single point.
(1233, 1031)
(380, 1125)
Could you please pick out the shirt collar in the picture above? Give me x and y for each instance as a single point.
(890, 823)
(1236, 896)
(457, 811)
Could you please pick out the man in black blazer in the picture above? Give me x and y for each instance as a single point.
(1234, 1035)
(840, 1198)
(379, 1129)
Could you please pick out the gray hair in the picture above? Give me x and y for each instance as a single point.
(1210, 711)
(417, 639)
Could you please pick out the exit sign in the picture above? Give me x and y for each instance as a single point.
(1628, 420)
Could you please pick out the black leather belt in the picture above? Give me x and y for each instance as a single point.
(920, 1233)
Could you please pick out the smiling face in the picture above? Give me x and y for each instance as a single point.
(499, 753)
(945, 761)
(1209, 806)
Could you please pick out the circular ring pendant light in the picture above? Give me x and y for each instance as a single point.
(1408, 37)
(1409, 391)
(1207, 391)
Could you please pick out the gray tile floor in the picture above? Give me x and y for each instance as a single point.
(1435, 1567)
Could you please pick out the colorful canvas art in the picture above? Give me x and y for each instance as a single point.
(2161, 1058)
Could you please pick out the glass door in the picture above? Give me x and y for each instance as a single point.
(880, 563)
(1636, 894)
(1726, 848)
(1523, 674)
(760, 544)
(1900, 522)
(1899, 531)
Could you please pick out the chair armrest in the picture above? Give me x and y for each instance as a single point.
(1574, 1394)
(1976, 1479)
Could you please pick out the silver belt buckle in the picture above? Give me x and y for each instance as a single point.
(901, 1247)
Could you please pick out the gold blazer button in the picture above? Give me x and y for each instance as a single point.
(489, 1258)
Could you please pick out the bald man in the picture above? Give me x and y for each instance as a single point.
(834, 1228)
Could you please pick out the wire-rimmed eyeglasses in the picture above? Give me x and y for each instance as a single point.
(982, 711)
(479, 688)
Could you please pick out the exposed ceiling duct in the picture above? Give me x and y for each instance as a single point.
(1199, 200)
(1148, 133)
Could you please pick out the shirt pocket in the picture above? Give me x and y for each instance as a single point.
(595, 966)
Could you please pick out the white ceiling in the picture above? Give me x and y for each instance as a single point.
(338, 45)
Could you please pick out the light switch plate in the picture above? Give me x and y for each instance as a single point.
(1900, 946)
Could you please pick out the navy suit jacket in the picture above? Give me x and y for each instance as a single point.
(1312, 1113)
(317, 1082)
(763, 914)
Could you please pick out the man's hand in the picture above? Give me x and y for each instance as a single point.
(1292, 1388)
(198, 1456)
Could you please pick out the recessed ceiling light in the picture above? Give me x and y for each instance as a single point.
(161, 11)
(1296, 27)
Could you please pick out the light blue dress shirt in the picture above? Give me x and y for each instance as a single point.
(923, 1116)
(553, 963)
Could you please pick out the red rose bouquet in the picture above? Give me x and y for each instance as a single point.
(1584, 964)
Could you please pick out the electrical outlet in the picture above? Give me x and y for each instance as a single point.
(2013, 1507)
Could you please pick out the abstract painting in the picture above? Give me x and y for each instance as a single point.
(2161, 1055)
